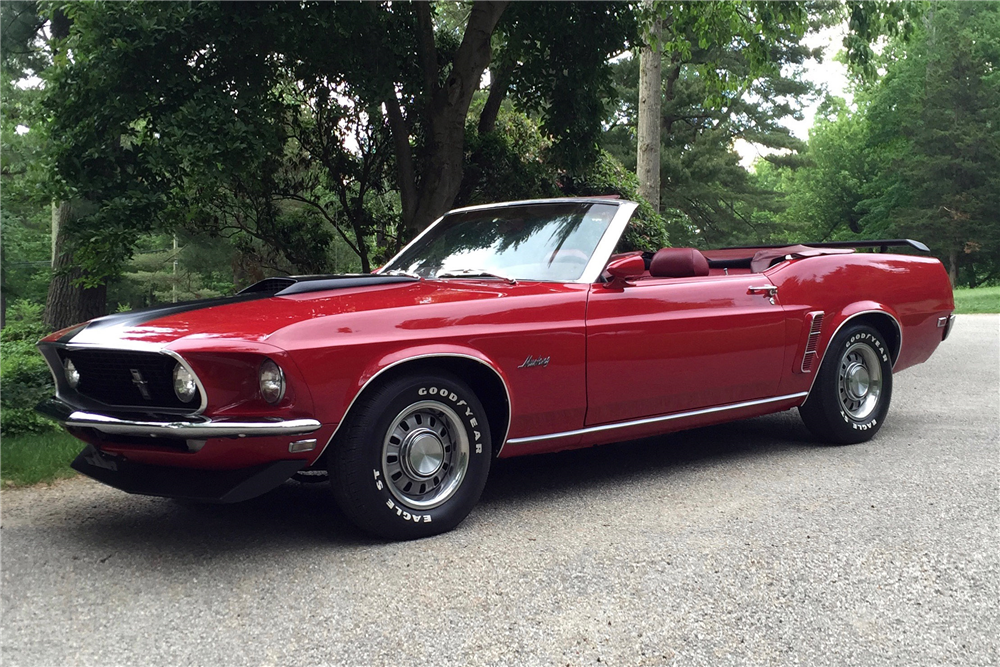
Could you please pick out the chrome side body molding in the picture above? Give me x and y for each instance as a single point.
(656, 420)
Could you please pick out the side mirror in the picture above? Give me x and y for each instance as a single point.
(623, 268)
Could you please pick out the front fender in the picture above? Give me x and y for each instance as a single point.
(397, 358)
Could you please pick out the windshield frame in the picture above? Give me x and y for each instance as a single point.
(599, 258)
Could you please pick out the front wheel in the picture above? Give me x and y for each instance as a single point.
(851, 394)
(413, 457)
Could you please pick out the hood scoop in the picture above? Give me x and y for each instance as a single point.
(285, 285)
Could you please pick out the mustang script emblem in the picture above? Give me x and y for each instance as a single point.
(531, 361)
(140, 383)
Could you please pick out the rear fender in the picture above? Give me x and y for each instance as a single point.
(878, 315)
(888, 324)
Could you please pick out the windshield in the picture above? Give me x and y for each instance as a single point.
(550, 242)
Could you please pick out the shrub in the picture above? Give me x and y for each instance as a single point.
(506, 164)
(24, 376)
(23, 322)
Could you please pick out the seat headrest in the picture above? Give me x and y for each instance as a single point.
(678, 263)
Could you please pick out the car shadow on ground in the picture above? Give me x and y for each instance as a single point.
(636, 461)
(305, 516)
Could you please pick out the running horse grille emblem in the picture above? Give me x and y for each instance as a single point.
(140, 383)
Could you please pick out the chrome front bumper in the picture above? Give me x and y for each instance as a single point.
(196, 428)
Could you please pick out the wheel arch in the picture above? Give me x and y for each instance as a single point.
(886, 324)
(482, 377)
(879, 319)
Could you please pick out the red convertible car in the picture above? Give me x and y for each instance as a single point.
(502, 330)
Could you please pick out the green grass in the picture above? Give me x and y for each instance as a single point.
(979, 300)
(33, 458)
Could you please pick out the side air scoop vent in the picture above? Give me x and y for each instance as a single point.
(285, 285)
(815, 322)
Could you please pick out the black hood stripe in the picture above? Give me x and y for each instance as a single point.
(142, 316)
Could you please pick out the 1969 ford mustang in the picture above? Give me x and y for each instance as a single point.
(502, 330)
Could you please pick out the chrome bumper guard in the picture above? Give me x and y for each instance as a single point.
(201, 429)
(947, 322)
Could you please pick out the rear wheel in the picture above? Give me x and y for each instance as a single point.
(413, 457)
(850, 398)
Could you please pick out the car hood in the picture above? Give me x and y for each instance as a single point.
(277, 320)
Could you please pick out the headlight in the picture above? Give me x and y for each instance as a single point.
(184, 385)
(72, 375)
(272, 381)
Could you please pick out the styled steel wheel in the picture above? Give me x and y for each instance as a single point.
(853, 386)
(860, 385)
(412, 457)
(425, 455)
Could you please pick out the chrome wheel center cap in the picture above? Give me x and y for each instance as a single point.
(858, 381)
(422, 454)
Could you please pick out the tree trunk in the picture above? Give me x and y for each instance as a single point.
(498, 91)
(67, 303)
(406, 174)
(953, 266)
(442, 172)
(447, 107)
(648, 153)
(359, 233)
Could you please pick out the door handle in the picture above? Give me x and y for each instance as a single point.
(767, 290)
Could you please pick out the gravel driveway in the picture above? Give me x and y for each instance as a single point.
(744, 544)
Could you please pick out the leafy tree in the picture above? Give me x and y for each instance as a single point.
(920, 157)
(821, 198)
(25, 220)
(934, 123)
(240, 115)
(754, 33)
(508, 162)
(33, 40)
(552, 62)
(671, 32)
(712, 95)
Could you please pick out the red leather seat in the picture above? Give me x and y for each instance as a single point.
(678, 263)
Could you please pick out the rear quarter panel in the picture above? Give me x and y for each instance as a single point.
(915, 291)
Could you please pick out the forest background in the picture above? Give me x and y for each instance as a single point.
(157, 152)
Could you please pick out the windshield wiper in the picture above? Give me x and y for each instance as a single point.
(400, 272)
(474, 273)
